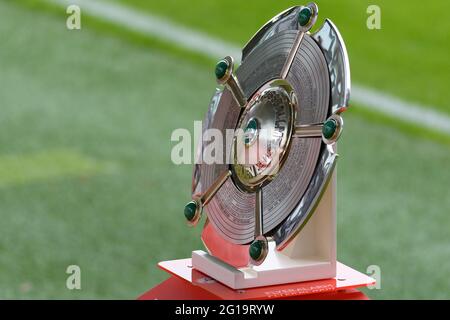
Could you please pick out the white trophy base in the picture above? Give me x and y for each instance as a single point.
(276, 269)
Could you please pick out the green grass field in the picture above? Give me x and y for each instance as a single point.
(85, 170)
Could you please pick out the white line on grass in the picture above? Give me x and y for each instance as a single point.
(186, 38)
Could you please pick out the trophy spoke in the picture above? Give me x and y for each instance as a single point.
(308, 131)
(306, 18)
(214, 187)
(235, 88)
(259, 248)
(330, 130)
(193, 210)
(292, 54)
(225, 75)
(259, 231)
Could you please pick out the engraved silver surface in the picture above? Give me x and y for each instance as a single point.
(286, 20)
(231, 211)
(197, 189)
(299, 216)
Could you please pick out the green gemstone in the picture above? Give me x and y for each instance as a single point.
(252, 125)
(329, 128)
(221, 69)
(304, 16)
(256, 249)
(250, 131)
(189, 210)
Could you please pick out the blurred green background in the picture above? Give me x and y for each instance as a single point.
(86, 118)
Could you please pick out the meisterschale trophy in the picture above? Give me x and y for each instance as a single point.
(269, 208)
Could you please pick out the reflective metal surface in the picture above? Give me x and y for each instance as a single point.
(259, 152)
(299, 216)
(286, 20)
(206, 124)
(259, 230)
(333, 47)
(308, 131)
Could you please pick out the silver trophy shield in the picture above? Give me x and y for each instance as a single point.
(283, 106)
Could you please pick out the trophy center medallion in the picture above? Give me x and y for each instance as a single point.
(263, 135)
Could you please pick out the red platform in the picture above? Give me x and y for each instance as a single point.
(187, 283)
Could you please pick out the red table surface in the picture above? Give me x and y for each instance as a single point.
(175, 288)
